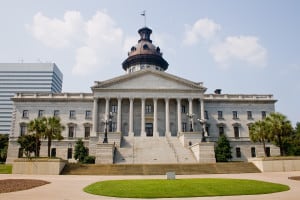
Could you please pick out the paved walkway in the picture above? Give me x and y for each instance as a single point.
(70, 187)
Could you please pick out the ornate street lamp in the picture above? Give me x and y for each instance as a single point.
(191, 116)
(109, 122)
(202, 123)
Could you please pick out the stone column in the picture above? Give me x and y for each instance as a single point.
(143, 132)
(95, 117)
(130, 133)
(202, 109)
(155, 133)
(178, 115)
(167, 110)
(191, 113)
(119, 115)
(106, 108)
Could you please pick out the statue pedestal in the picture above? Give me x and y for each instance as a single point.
(104, 153)
(204, 152)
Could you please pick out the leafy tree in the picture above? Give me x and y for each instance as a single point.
(295, 141)
(53, 131)
(259, 132)
(3, 147)
(37, 127)
(280, 129)
(29, 144)
(223, 149)
(80, 151)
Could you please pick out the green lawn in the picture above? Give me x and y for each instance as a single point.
(182, 188)
(5, 169)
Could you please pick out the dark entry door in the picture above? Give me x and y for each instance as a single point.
(149, 129)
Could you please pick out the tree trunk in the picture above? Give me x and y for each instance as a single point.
(49, 147)
(264, 146)
(280, 146)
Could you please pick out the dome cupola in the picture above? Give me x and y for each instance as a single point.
(144, 54)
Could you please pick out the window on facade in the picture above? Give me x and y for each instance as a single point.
(263, 114)
(88, 114)
(23, 129)
(221, 130)
(87, 131)
(70, 152)
(238, 152)
(41, 113)
(249, 115)
(71, 131)
(253, 152)
(56, 113)
(268, 151)
(205, 114)
(72, 114)
(236, 131)
(20, 152)
(25, 114)
(53, 152)
(235, 115)
(184, 127)
(148, 108)
(113, 126)
(220, 115)
(114, 108)
(183, 109)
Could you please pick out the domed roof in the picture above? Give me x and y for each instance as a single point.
(145, 52)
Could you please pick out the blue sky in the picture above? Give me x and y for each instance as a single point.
(244, 47)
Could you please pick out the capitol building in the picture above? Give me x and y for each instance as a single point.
(145, 116)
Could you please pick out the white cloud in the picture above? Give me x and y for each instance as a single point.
(97, 40)
(202, 29)
(55, 32)
(239, 48)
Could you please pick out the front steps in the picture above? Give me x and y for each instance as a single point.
(160, 169)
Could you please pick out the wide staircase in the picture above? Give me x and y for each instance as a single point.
(152, 150)
(160, 169)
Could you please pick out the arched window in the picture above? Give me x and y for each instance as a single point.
(145, 47)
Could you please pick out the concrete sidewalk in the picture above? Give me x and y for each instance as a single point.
(69, 187)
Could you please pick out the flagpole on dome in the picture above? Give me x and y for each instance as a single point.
(144, 15)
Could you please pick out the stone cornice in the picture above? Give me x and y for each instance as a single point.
(53, 97)
(268, 98)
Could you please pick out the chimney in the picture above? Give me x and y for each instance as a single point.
(218, 91)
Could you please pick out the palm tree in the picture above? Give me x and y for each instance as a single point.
(259, 132)
(37, 127)
(53, 131)
(280, 129)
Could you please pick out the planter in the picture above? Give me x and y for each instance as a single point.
(49, 166)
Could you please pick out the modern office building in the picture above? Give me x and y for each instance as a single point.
(146, 116)
(25, 77)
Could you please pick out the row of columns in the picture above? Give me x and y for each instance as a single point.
(143, 100)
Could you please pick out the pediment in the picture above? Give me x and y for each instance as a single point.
(149, 79)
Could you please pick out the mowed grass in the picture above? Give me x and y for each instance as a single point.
(5, 169)
(156, 188)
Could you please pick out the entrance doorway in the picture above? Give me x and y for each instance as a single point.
(149, 129)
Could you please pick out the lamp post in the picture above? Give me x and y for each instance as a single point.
(109, 122)
(202, 123)
(191, 116)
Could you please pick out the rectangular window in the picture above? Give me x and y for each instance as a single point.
(88, 114)
(71, 131)
(249, 115)
(70, 152)
(20, 153)
(183, 110)
(113, 126)
(263, 114)
(56, 113)
(148, 109)
(41, 113)
(238, 152)
(23, 129)
(235, 115)
(87, 131)
(268, 151)
(53, 152)
(205, 114)
(114, 108)
(221, 130)
(236, 132)
(25, 114)
(72, 114)
(183, 127)
(220, 115)
(253, 152)
(207, 130)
